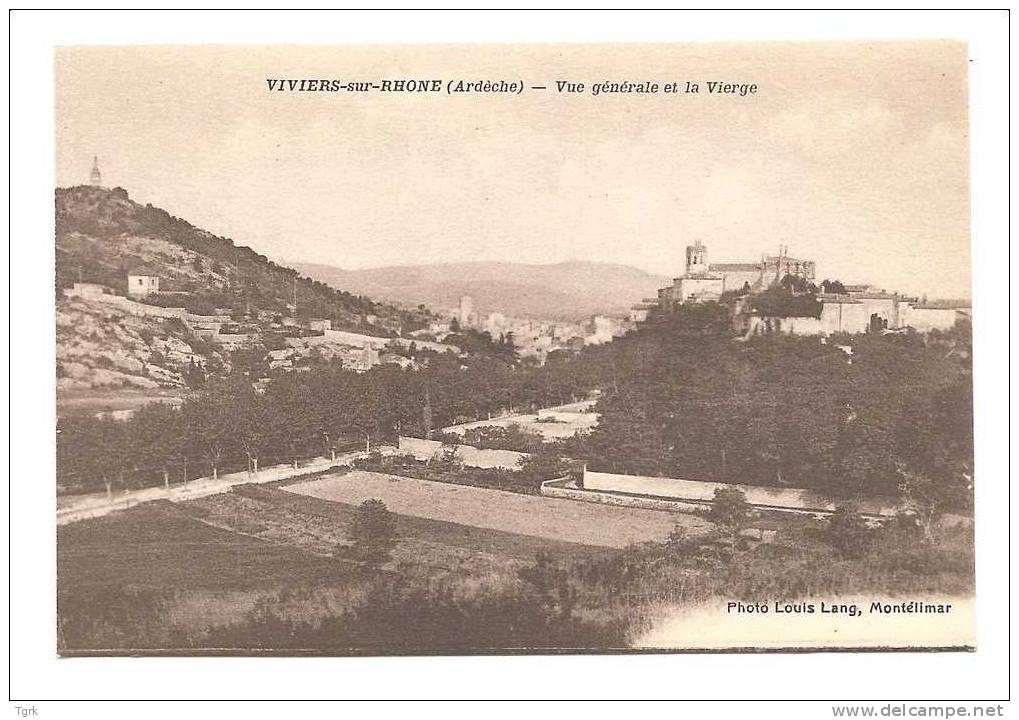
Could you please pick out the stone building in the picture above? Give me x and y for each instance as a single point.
(704, 281)
(856, 312)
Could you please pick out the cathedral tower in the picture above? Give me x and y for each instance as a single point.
(696, 259)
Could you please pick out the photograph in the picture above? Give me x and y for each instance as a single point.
(467, 349)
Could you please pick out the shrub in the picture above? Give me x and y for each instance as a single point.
(372, 533)
(729, 510)
(848, 533)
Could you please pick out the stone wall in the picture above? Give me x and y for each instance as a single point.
(836, 317)
(137, 308)
(847, 317)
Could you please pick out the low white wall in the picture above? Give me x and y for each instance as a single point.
(703, 491)
(556, 489)
(467, 454)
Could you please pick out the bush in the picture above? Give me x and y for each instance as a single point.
(372, 533)
(542, 466)
(729, 510)
(848, 533)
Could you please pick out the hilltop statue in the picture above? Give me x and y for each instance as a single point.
(95, 177)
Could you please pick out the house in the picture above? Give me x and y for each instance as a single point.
(142, 285)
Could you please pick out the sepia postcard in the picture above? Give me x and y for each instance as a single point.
(513, 349)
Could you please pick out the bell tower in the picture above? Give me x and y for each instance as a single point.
(95, 177)
(696, 259)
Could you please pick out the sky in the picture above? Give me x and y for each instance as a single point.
(851, 154)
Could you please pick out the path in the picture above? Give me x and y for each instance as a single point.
(81, 507)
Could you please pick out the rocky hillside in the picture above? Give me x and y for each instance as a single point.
(102, 347)
(102, 236)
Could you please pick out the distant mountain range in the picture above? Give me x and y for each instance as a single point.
(568, 290)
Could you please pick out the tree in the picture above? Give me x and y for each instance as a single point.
(92, 453)
(293, 416)
(730, 512)
(209, 421)
(252, 424)
(543, 465)
(847, 532)
(833, 286)
(194, 375)
(155, 436)
(797, 284)
(372, 533)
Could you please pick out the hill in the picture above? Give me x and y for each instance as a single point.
(102, 235)
(569, 290)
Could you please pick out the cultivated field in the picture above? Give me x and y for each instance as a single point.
(165, 575)
(155, 577)
(554, 519)
(160, 544)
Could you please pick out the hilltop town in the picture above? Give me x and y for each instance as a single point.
(779, 294)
